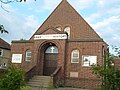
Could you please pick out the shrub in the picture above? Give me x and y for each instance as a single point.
(13, 79)
(26, 88)
(109, 74)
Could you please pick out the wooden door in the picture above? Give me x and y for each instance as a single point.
(50, 61)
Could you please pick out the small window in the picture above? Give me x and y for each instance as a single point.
(28, 55)
(67, 30)
(75, 56)
(1, 52)
(58, 28)
(89, 60)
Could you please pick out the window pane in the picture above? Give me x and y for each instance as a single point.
(75, 60)
(75, 54)
(28, 58)
(52, 49)
(28, 55)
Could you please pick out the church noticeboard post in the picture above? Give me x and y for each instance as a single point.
(16, 58)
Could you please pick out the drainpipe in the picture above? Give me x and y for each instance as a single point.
(65, 62)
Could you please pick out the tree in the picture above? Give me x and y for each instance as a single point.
(109, 74)
(2, 29)
(117, 50)
(12, 79)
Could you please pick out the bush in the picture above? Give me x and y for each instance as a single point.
(109, 74)
(13, 79)
(25, 88)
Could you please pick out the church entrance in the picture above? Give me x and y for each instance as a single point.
(50, 60)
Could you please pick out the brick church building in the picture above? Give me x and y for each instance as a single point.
(64, 47)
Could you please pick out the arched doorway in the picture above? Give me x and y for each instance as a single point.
(50, 59)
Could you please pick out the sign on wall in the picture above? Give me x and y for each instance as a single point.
(74, 74)
(50, 36)
(89, 60)
(16, 58)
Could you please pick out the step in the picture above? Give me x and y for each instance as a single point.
(42, 77)
(40, 81)
(38, 85)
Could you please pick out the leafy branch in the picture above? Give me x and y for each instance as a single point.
(9, 1)
(117, 50)
(2, 29)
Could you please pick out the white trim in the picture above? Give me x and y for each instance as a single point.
(27, 56)
(72, 57)
(16, 58)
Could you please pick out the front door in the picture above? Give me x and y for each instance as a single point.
(50, 60)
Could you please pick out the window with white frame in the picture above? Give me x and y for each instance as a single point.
(1, 52)
(89, 60)
(67, 30)
(75, 56)
(28, 55)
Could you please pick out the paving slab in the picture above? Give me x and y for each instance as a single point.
(70, 89)
(65, 88)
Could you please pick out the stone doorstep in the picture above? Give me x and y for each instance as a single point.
(66, 88)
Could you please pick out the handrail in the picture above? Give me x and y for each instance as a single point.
(56, 76)
(56, 71)
(29, 74)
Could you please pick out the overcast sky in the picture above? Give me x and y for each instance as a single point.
(23, 19)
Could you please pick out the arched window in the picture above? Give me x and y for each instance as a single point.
(58, 28)
(28, 55)
(67, 30)
(75, 56)
(52, 49)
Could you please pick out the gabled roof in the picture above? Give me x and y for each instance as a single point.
(4, 44)
(66, 15)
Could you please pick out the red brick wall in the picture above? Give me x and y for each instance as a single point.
(117, 62)
(87, 83)
(64, 58)
(85, 48)
(20, 48)
(64, 15)
(85, 75)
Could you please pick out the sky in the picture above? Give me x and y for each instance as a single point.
(23, 19)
